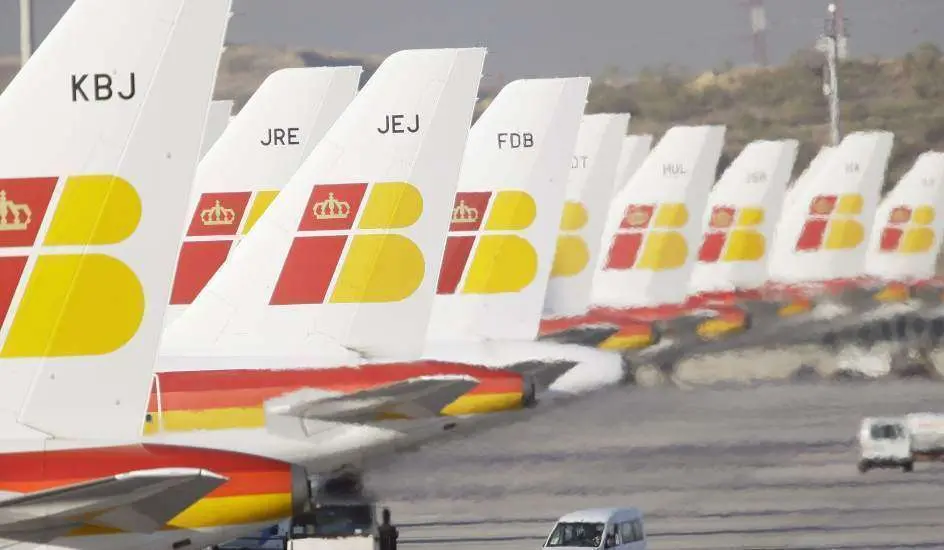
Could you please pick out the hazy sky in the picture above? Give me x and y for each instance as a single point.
(558, 37)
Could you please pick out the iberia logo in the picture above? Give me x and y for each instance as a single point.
(732, 235)
(218, 222)
(572, 254)
(908, 231)
(501, 261)
(72, 303)
(832, 224)
(648, 238)
(331, 262)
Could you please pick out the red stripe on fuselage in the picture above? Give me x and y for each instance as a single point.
(247, 474)
(245, 388)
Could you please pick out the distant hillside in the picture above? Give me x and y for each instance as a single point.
(903, 95)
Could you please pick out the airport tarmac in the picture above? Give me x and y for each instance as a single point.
(767, 466)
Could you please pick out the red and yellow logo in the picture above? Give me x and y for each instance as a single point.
(572, 254)
(648, 238)
(218, 222)
(72, 304)
(331, 262)
(832, 223)
(908, 231)
(501, 261)
(732, 235)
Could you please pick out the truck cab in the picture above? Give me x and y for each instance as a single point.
(885, 443)
(599, 528)
(334, 527)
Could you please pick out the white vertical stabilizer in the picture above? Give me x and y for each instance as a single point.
(589, 189)
(116, 96)
(654, 223)
(256, 155)
(906, 235)
(635, 150)
(826, 225)
(743, 209)
(216, 122)
(507, 211)
(344, 262)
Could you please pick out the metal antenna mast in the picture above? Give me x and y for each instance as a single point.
(832, 36)
(759, 31)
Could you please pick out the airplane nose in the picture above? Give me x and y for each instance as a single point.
(301, 489)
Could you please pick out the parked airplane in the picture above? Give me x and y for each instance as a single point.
(307, 414)
(90, 220)
(622, 291)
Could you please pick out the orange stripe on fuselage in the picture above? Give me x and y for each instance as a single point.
(196, 390)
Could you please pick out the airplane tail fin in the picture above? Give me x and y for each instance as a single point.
(739, 221)
(241, 175)
(655, 221)
(635, 150)
(906, 235)
(91, 219)
(589, 189)
(216, 122)
(343, 263)
(508, 208)
(824, 229)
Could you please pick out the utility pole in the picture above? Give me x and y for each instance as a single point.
(831, 87)
(26, 31)
(759, 31)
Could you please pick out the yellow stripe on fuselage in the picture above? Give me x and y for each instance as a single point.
(619, 342)
(216, 512)
(254, 417)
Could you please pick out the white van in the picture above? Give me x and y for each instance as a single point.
(885, 443)
(600, 528)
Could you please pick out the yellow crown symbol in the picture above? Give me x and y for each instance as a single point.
(13, 217)
(464, 213)
(218, 215)
(331, 209)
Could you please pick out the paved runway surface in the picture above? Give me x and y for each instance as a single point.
(770, 466)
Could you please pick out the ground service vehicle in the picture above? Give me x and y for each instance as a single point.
(893, 442)
(602, 528)
(346, 526)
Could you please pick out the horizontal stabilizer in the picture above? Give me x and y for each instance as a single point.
(421, 397)
(761, 309)
(858, 297)
(588, 335)
(929, 295)
(141, 501)
(686, 324)
(544, 373)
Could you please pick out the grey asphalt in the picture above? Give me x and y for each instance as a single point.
(765, 466)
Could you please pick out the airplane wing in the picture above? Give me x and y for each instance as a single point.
(587, 335)
(421, 397)
(544, 373)
(140, 501)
